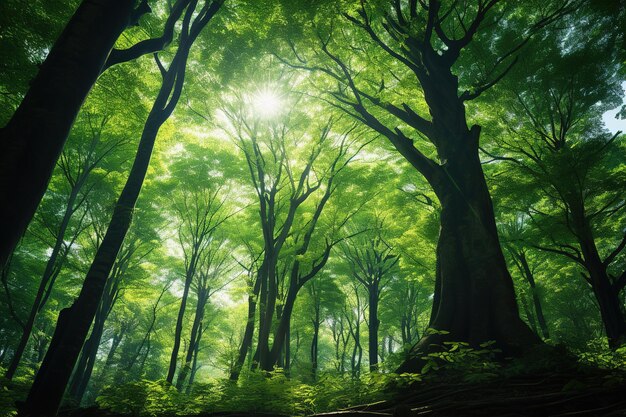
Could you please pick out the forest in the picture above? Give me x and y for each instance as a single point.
(324, 207)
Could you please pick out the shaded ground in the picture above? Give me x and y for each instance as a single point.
(550, 394)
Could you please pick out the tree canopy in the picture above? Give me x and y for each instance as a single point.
(239, 205)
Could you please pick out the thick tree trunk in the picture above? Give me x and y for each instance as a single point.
(33, 139)
(87, 359)
(476, 297)
(86, 362)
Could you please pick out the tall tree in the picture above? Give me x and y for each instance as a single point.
(426, 44)
(571, 163)
(76, 165)
(201, 213)
(32, 140)
(371, 261)
(73, 324)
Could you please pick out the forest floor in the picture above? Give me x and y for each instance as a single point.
(555, 394)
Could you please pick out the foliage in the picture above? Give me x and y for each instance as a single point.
(460, 360)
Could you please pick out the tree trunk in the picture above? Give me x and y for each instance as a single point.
(74, 322)
(373, 327)
(45, 286)
(179, 324)
(287, 350)
(605, 293)
(87, 359)
(194, 363)
(86, 362)
(476, 296)
(314, 343)
(535, 294)
(33, 139)
(246, 342)
(194, 340)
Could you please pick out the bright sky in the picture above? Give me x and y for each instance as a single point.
(611, 122)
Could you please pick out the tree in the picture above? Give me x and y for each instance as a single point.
(283, 195)
(371, 261)
(73, 324)
(76, 165)
(201, 213)
(427, 43)
(572, 164)
(35, 135)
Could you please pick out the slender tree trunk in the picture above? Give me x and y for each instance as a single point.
(314, 343)
(194, 363)
(179, 324)
(246, 342)
(74, 322)
(541, 320)
(373, 327)
(33, 139)
(47, 280)
(606, 295)
(287, 350)
(194, 340)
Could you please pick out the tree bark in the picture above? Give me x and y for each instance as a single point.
(374, 323)
(606, 294)
(33, 139)
(246, 342)
(477, 299)
(52, 269)
(74, 322)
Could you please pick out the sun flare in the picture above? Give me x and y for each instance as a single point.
(267, 103)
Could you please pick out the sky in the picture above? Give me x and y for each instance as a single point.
(611, 122)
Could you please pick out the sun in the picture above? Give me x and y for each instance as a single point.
(267, 103)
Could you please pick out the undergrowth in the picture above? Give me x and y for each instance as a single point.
(278, 394)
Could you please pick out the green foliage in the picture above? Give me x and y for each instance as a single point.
(12, 391)
(597, 353)
(460, 360)
(254, 392)
(142, 398)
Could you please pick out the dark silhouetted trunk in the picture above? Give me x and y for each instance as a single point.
(52, 270)
(246, 342)
(74, 322)
(315, 343)
(373, 326)
(530, 278)
(606, 292)
(87, 359)
(474, 294)
(194, 339)
(179, 321)
(33, 139)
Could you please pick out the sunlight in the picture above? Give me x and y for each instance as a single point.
(267, 103)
